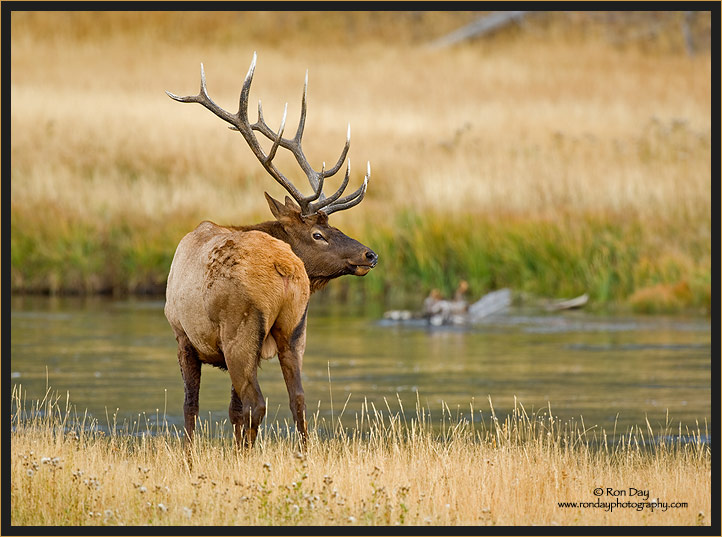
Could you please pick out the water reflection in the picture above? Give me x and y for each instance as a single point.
(121, 354)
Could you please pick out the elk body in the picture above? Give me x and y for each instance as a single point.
(239, 294)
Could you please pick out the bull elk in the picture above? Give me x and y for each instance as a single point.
(239, 294)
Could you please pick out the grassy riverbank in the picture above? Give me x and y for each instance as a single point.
(397, 466)
(506, 162)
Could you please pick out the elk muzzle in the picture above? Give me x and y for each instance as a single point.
(367, 262)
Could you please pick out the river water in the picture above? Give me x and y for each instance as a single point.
(118, 357)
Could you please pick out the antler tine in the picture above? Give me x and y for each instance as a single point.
(329, 200)
(302, 120)
(274, 147)
(243, 99)
(344, 152)
(318, 191)
(352, 199)
(205, 100)
(245, 91)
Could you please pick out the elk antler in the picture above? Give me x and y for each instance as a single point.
(317, 201)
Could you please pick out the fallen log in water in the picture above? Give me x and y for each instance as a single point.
(572, 303)
(438, 311)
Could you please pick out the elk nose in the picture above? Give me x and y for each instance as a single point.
(372, 258)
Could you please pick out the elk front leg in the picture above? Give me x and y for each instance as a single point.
(291, 368)
(290, 356)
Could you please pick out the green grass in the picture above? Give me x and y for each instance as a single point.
(611, 259)
(615, 261)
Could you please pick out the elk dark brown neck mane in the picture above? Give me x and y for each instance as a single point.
(239, 294)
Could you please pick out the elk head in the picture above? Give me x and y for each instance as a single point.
(326, 252)
(302, 222)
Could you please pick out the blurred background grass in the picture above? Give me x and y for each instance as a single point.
(567, 153)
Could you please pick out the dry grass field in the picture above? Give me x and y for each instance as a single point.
(547, 159)
(395, 467)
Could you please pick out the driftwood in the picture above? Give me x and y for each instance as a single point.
(438, 311)
(490, 304)
(479, 28)
(572, 303)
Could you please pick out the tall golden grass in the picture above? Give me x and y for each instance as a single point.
(395, 467)
(543, 127)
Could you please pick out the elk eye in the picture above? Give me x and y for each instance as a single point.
(319, 237)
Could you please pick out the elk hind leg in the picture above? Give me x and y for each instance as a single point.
(247, 407)
(190, 366)
(246, 411)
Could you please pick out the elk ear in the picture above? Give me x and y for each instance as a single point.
(277, 209)
(291, 205)
(281, 211)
